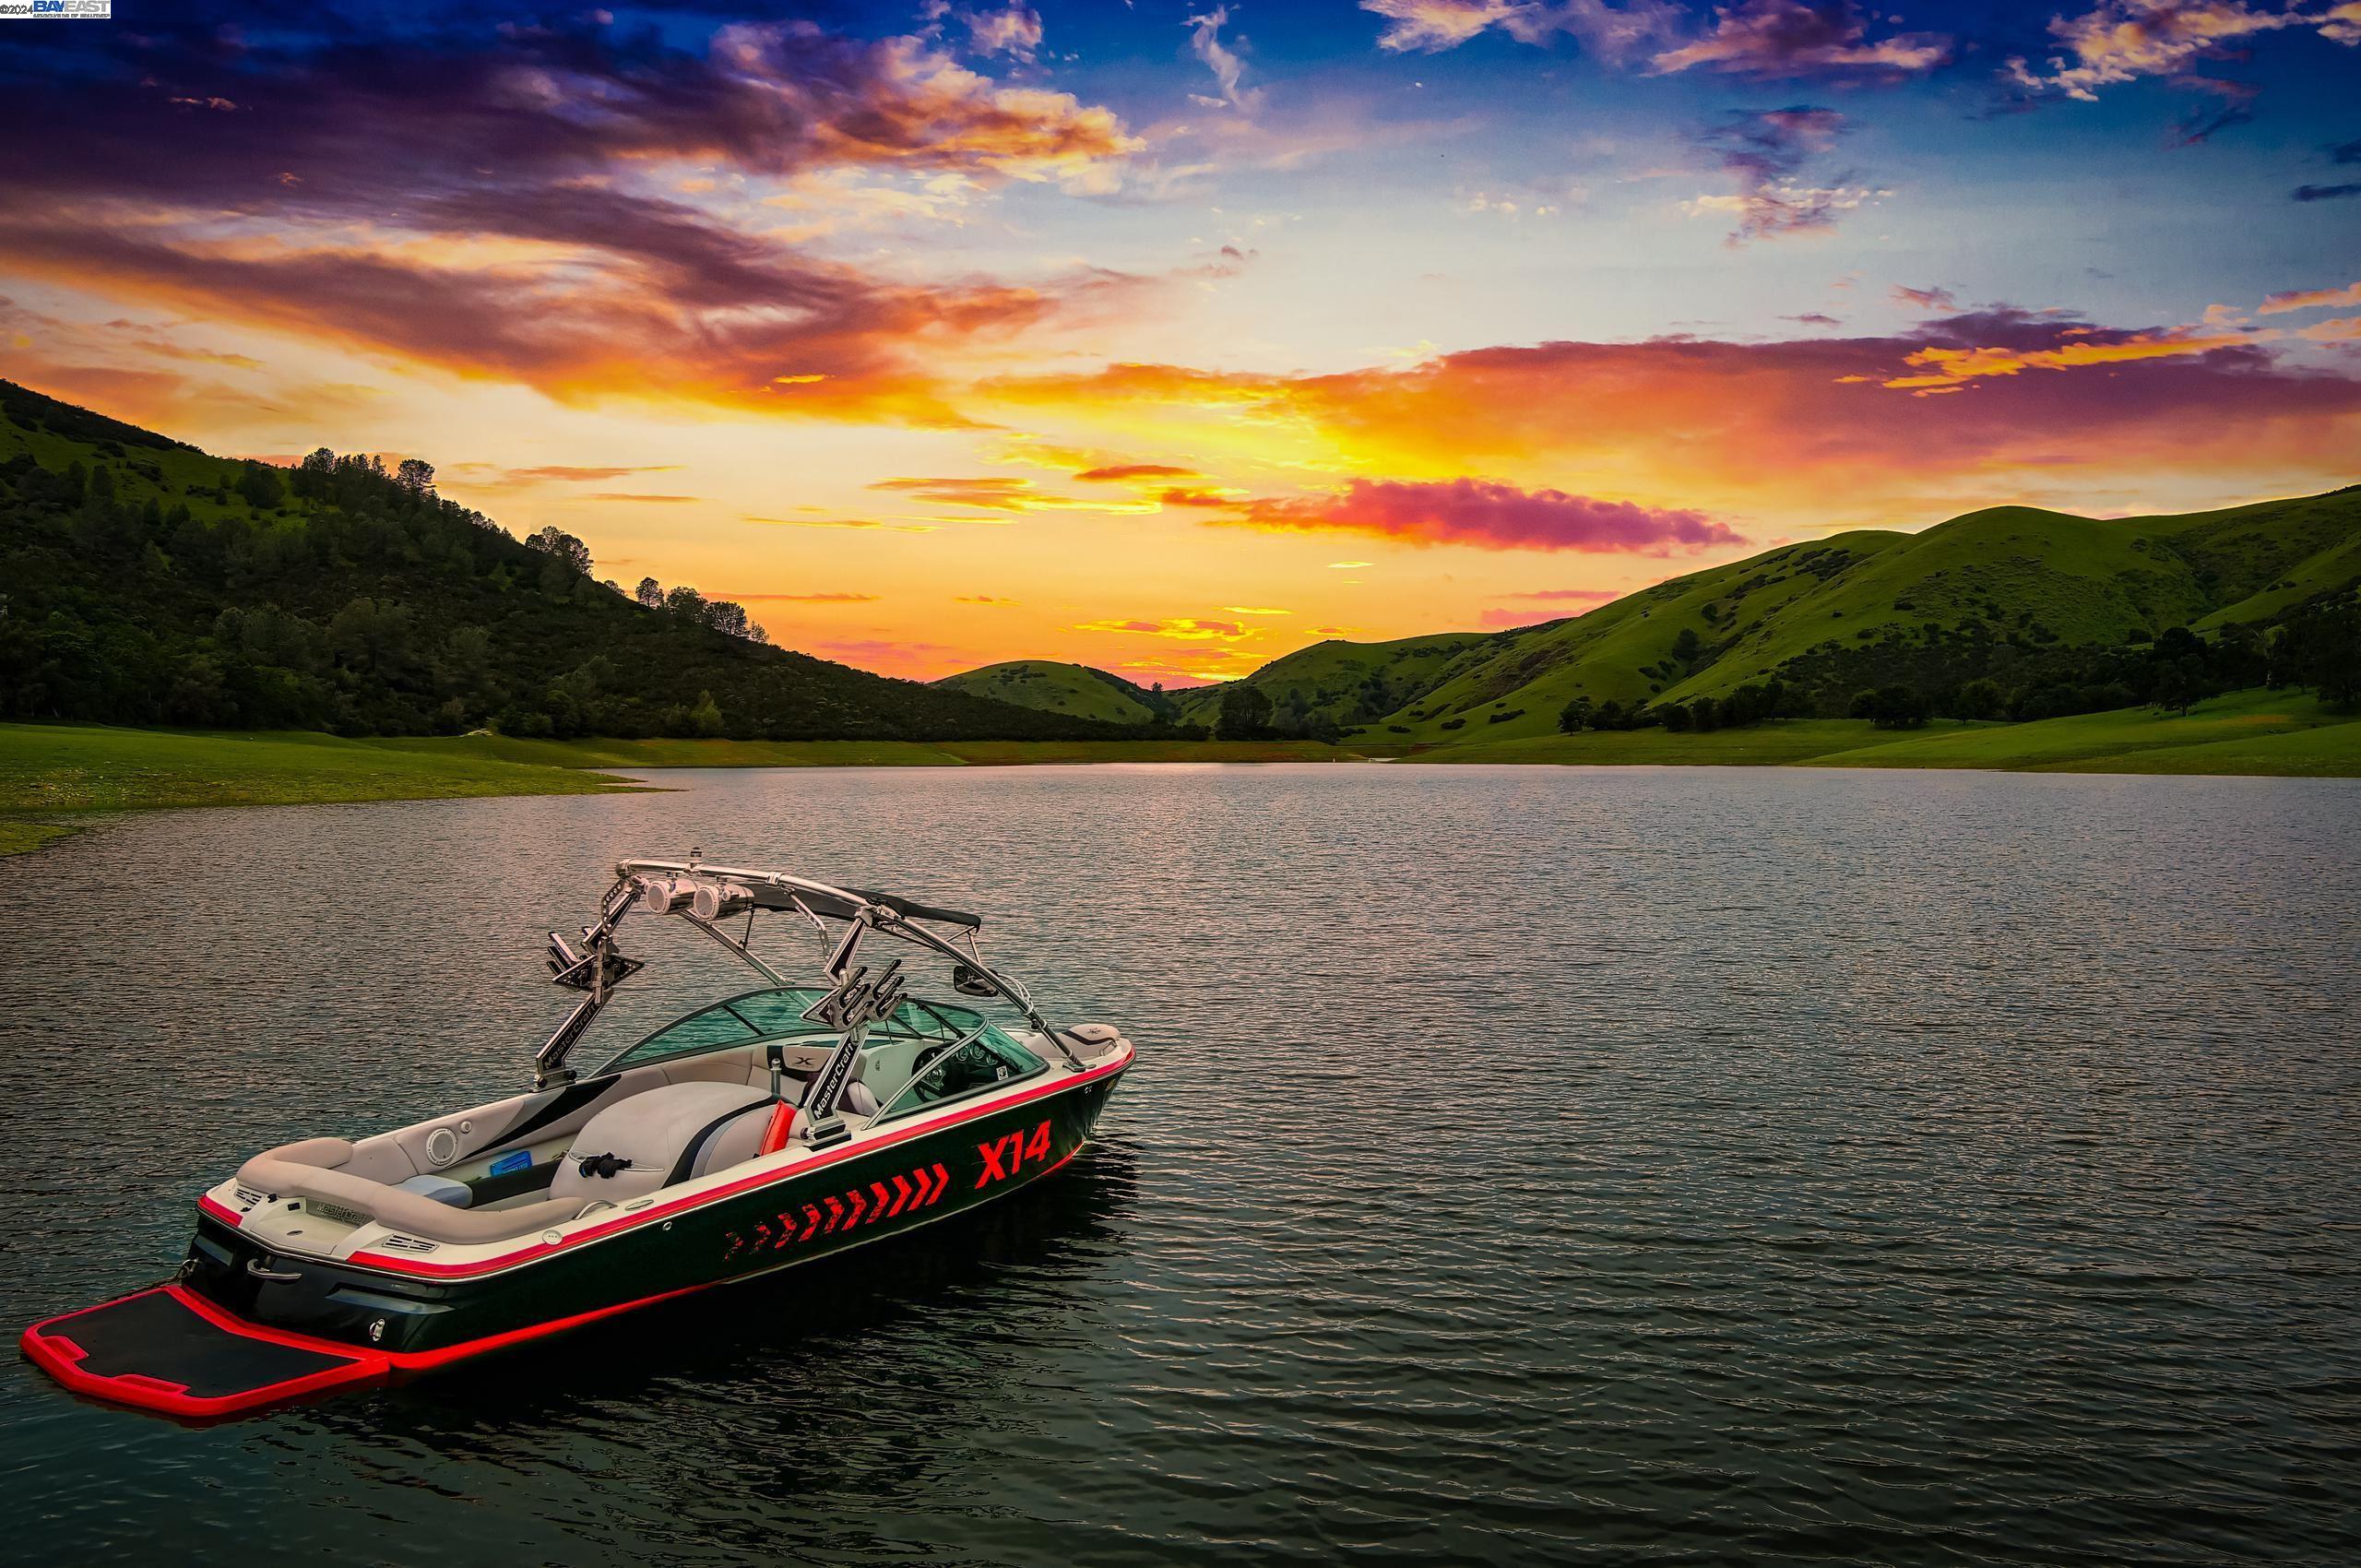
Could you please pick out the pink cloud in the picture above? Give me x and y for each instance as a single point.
(1492, 516)
(1500, 620)
(1791, 38)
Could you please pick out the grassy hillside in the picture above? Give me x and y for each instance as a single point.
(148, 583)
(1345, 683)
(1625, 651)
(1996, 593)
(1074, 689)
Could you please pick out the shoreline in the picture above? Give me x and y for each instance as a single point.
(49, 775)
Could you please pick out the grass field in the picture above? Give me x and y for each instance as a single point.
(51, 768)
(1790, 741)
(2277, 733)
(2281, 734)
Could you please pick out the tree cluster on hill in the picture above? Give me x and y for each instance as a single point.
(1966, 677)
(2317, 646)
(1749, 704)
(142, 583)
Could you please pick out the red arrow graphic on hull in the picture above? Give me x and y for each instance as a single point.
(858, 1205)
(811, 1222)
(901, 1195)
(942, 1180)
(835, 1213)
(877, 1202)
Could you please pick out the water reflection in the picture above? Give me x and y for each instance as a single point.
(1521, 1164)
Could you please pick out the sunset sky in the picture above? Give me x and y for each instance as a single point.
(1171, 338)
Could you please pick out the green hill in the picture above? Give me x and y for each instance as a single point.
(1073, 689)
(1344, 682)
(144, 582)
(2003, 593)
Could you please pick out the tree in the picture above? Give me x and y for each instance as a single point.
(705, 718)
(650, 594)
(258, 483)
(686, 602)
(416, 476)
(2179, 684)
(1687, 647)
(724, 616)
(1979, 699)
(1575, 715)
(1245, 713)
(562, 547)
(1892, 707)
(1677, 717)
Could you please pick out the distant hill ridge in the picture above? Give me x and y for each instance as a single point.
(2004, 593)
(144, 582)
(1077, 690)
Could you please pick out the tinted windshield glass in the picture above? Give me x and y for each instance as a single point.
(988, 1061)
(758, 1014)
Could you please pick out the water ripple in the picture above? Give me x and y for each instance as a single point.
(1522, 1166)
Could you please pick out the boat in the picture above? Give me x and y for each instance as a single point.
(769, 1129)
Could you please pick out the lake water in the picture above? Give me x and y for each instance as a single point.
(1521, 1165)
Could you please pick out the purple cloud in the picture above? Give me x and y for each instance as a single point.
(1493, 515)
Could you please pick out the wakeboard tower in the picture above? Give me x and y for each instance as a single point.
(771, 1128)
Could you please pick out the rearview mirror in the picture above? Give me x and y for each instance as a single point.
(969, 981)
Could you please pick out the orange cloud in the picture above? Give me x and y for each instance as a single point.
(1136, 471)
(1948, 366)
(2310, 299)
(1000, 493)
(2128, 417)
(510, 248)
(1186, 630)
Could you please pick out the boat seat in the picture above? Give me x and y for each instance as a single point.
(663, 1133)
(322, 1169)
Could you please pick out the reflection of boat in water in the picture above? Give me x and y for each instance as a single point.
(773, 1127)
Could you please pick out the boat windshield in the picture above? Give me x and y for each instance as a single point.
(777, 1014)
(985, 1062)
